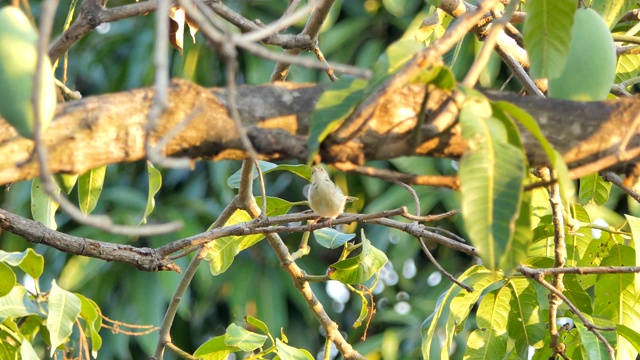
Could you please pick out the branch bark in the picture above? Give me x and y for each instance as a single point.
(110, 128)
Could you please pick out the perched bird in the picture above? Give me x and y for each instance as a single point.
(325, 198)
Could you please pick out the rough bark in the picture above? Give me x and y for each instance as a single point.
(110, 128)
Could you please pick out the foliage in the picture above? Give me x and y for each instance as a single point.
(55, 307)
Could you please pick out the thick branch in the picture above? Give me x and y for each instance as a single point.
(109, 128)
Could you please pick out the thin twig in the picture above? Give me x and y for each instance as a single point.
(279, 25)
(451, 182)
(311, 29)
(101, 222)
(617, 181)
(539, 277)
(161, 98)
(489, 43)
(419, 61)
(560, 254)
(603, 163)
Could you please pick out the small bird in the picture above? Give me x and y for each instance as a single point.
(325, 198)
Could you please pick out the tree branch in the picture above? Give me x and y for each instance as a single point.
(110, 128)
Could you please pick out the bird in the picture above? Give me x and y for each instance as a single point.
(325, 198)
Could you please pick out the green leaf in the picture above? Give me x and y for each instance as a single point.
(214, 349)
(578, 242)
(631, 335)
(257, 323)
(286, 352)
(360, 267)
(155, 183)
(612, 11)
(66, 182)
(243, 338)
(594, 189)
(43, 208)
(440, 76)
(364, 311)
(7, 279)
(27, 352)
(634, 225)
(473, 276)
(331, 238)
(491, 336)
(90, 187)
(492, 173)
(526, 324)
(29, 261)
(616, 297)
(221, 252)
(627, 67)
(92, 315)
(16, 304)
(547, 35)
(332, 108)
(64, 308)
(266, 167)
(593, 347)
(394, 57)
(576, 294)
(516, 253)
(461, 306)
(18, 62)
(555, 158)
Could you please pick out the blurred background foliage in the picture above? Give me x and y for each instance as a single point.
(117, 57)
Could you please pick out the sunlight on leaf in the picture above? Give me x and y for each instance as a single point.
(64, 308)
(361, 267)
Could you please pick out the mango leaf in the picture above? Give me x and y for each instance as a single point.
(214, 349)
(492, 316)
(440, 76)
(242, 338)
(364, 311)
(547, 35)
(632, 336)
(332, 108)
(393, 58)
(492, 173)
(29, 261)
(612, 11)
(90, 187)
(594, 189)
(221, 252)
(331, 238)
(64, 308)
(360, 267)
(92, 315)
(27, 352)
(526, 324)
(558, 164)
(43, 208)
(593, 348)
(66, 182)
(286, 352)
(627, 67)
(155, 182)
(7, 279)
(266, 167)
(462, 304)
(616, 296)
(578, 241)
(516, 252)
(17, 303)
(634, 225)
